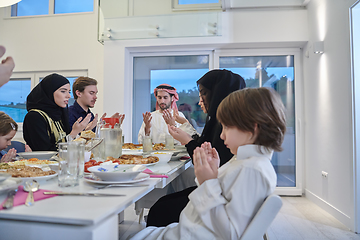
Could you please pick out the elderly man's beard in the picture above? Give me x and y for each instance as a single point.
(164, 106)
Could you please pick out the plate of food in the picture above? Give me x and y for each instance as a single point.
(133, 159)
(131, 146)
(139, 178)
(10, 183)
(26, 172)
(40, 155)
(33, 162)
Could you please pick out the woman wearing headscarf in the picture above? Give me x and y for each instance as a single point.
(47, 121)
(214, 86)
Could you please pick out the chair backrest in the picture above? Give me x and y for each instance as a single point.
(19, 146)
(263, 218)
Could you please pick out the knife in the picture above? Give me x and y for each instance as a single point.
(84, 194)
(10, 200)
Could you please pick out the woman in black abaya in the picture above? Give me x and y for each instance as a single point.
(47, 121)
(214, 86)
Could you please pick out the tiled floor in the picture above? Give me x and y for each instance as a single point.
(298, 219)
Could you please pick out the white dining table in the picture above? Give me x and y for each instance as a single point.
(80, 217)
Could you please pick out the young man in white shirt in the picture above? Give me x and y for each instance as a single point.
(154, 124)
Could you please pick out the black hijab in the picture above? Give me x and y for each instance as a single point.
(42, 98)
(221, 83)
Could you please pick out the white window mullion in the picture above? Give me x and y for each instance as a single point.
(51, 7)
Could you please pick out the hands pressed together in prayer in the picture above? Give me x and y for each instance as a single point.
(11, 154)
(206, 162)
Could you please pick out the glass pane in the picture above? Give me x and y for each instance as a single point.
(276, 72)
(197, 1)
(73, 6)
(30, 8)
(13, 98)
(181, 72)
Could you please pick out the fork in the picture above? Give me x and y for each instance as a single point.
(120, 185)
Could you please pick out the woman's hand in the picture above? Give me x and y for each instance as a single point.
(205, 165)
(169, 119)
(79, 125)
(9, 156)
(179, 135)
(178, 118)
(27, 148)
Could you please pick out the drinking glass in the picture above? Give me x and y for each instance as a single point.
(169, 142)
(147, 144)
(69, 158)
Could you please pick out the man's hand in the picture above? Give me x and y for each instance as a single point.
(9, 156)
(80, 125)
(6, 67)
(147, 120)
(179, 135)
(92, 124)
(169, 119)
(205, 165)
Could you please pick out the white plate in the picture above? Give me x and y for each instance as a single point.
(132, 151)
(10, 183)
(41, 178)
(41, 155)
(178, 156)
(4, 176)
(147, 164)
(139, 178)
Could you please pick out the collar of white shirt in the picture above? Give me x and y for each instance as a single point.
(252, 150)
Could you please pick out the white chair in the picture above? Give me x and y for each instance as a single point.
(263, 218)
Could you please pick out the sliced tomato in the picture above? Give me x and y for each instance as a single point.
(92, 161)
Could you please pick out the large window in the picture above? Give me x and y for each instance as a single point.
(45, 7)
(14, 93)
(13, 98)
(277, 69)
(277, 72)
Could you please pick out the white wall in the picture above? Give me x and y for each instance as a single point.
(54, 43)
(328, 110)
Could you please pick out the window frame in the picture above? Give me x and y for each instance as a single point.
(299, 111)
(189, 7)
(51, 11)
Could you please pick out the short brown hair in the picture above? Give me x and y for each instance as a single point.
(6, 124)
(80, 83)
(262, 106)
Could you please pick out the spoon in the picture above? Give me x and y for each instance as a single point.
(30, 186)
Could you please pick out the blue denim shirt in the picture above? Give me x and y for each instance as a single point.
(76, 111)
